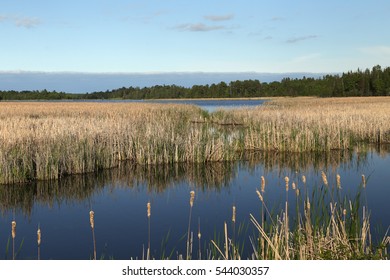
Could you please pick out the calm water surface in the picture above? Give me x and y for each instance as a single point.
(119, 197)
(209, 105)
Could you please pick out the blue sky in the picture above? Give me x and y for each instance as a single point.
(150, 36)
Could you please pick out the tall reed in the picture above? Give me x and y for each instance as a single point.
(39, 237)
(148, 214)
(13, 234)
(92, 223)
(189, 240)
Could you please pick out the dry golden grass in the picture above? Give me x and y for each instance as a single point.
(315, 124)
(47, 140)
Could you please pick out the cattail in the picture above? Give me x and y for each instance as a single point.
(260, 196)
(293, 186)
(13, 229)
(324, 179)
(262, 184)
(192, 197)
(297, 192)
(234, 214)
(308, 205)
(286, 179)
(148, 207)
(92, 219)
(304, 179)
(345, 212)
(39, 236)
(338, 182)
(364, 180)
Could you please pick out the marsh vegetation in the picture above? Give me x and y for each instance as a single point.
(152, 146)
(51, 140)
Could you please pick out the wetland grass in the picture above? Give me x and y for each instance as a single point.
(50, 140)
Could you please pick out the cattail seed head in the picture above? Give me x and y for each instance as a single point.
(39, 236)
(308, 205)
(297, 192)
(13, 224)
(324, 179)
(192, 197)
(92, 218)
(234, 214)
(293, 186)
(338, 181)
(304, 179)
(148, 209)
(286, 179)
(262, 184)
(345, 212)
(259, 195)
(364, 180)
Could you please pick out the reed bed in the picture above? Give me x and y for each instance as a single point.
(50, 140)
(314, 124)
(324, 224)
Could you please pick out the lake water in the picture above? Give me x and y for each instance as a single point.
(119, 198)
(213, 105)
(209, 105)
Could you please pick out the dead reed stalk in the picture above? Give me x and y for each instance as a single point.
(189, 243)
(92, 223)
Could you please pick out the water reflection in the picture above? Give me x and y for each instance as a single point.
(157, 178)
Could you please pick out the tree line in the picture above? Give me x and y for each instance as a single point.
(374, 82)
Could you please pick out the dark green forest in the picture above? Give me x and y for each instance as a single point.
(374, 82)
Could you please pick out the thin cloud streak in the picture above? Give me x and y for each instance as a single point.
(198, 27)
(219, 17)
(302, 38)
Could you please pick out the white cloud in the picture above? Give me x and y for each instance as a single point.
(219, 17)
(26, 22)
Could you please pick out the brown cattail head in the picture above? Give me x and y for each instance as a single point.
(39, 236)
(13, 224)
(324, 179)
(364, 180)
(338, 181)
(297, 192)
(148, 209)
(293, 186)
(192, 197)
(308, 204)
(286, 179)
(304, 179)
(92, 218)
(234, 214)
(262, 184)
(259, 195)
(344, 212)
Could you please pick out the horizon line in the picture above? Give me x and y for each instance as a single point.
(155, 72)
